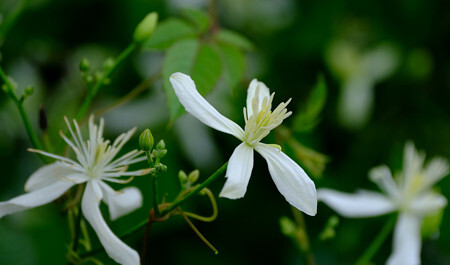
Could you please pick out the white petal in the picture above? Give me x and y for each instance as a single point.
(114, 247)
(121, 202)
(239, 171)
(292, 182)
(435, 170)
(35, 198)
(198, 107)
(407, 241)
(412, 164)
(263, 92)
(382, 176)
(361, 204)
(49, 174)
(428, 203)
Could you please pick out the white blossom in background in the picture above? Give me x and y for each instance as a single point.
(95, 164)
(292, 182)
(409, 193)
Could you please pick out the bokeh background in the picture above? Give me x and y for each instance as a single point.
(386, 65)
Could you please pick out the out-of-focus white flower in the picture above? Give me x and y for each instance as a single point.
(95, 164)
(290, 179)
(410, 193)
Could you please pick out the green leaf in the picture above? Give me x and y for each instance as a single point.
(200, 19)
(200, 61)
(207, 69)
(234, 65)
(308, 118)
(179, 58)
(233, 38)
(168, 32)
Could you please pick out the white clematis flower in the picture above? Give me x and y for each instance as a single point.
(410, 193)
(95, 164)
(260, 119)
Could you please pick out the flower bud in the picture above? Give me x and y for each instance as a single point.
(145, 28)
(146, 140)
(109, 63)
(28, 91)
(182, 177)
(161, 145)
(85, 65)
(193, 176)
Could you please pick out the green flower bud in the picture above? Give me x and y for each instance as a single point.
(161, 145)
(109, 63)
(85, 65)
(193, 176)
(183, 178)
(28, 91)
(145, 28)
(287, 226)
(146, 140)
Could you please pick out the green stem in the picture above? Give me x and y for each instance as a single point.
(155, 194)
(23, 114)
(200, 187)
(302, 236)
(93, 91)
(172, 207)
(376, 243)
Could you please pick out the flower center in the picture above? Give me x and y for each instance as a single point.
(263, 120)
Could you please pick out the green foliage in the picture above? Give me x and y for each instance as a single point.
(234, 64)
(308, 117)
(191, 51)
(233, 38)
(200, 61)
(168, 32)
(199, 18)
(431, 224)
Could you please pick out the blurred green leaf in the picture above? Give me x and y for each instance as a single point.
(207, 69)
(200, 19)
(233, 38)
(234, 65)
(168, 32)
(200, 61)
(431, 224)
(308, 118)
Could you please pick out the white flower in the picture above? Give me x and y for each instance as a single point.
(409, 193)
(290, 179)
(94, 165)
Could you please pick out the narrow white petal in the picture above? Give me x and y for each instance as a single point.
(361, 204)
(292, 182)
(435, 170)
(428, 203)
(35, 198)
(198, 107)
(256, 90)
(407, 241)
(239, 171)
(114, 247)
(47, 175)
(382, 176)
(412, 164)
(121, 202)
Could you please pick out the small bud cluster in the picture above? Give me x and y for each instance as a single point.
(146, 142)
(187, 181)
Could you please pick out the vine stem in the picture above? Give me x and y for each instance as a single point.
(200, 187)
(302, 236)
(93, 91)
(167, 208)
(23, 114)
(377, 242)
